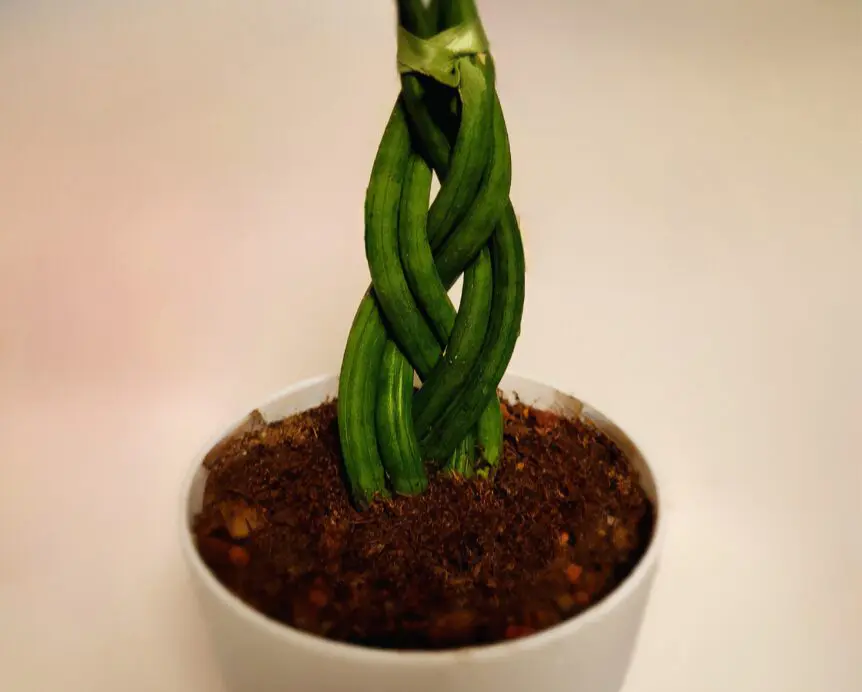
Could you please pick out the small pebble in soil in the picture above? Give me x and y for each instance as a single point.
(238, 556)
(574, 572)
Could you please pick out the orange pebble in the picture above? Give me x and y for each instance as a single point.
(317, 597)
(516, 631)
(564, 538)
(574, 572)
(565, 602)
(239, 556)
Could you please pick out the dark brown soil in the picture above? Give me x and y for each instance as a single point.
(561, 524)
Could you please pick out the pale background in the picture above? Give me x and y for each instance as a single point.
(181, 189)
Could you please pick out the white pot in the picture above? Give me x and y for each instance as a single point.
(590, 652)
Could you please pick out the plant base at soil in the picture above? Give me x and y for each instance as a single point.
(561, 523)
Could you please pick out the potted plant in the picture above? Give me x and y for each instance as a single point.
(422, 521)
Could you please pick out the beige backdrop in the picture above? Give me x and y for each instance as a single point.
(181, 190)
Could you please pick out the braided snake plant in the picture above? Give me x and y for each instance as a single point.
(448, 122)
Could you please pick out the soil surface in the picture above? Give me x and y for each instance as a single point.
(558, 527)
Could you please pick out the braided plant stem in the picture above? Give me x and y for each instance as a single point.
(406, 322)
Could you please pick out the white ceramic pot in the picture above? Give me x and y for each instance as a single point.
(590, 652)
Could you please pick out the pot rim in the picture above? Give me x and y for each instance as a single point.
(318, 645)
